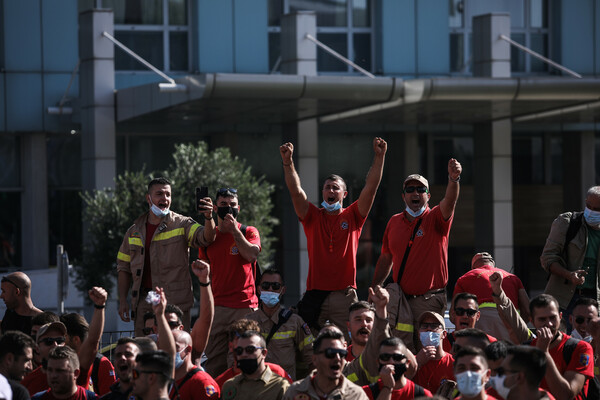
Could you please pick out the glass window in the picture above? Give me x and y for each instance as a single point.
(157, 30)
(528, 160)
(343, 25)
(62, 154)
(64, 222)
(456, 13)
(10, 229)
(539, 14)
(517, 57)
(460, 148)
(457, 52)
(539, 44)
(10, 161)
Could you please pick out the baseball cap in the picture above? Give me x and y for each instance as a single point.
(435, 315)
(482, 259)
(418, 178)
(56, 326)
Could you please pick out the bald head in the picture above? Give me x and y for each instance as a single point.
(20, 280)
(182, 338)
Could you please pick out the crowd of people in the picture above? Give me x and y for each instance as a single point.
(246, 345)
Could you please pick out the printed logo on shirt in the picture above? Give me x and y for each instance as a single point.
(420, 233)
(234, 251)
(230, 394)
(344, 224)
(306, 329)
(136, 235)
(584, 360)
(251, 235)
(210, 390)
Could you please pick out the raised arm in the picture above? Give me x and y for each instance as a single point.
(201, 329)
(205, 207)
(292, 180)
(367, 195)
(517, 327)
(448, 203)
(166, 341)
(89, 347)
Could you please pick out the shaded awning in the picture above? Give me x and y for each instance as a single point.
(277, 99)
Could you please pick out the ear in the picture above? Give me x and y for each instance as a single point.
(428, 196)
(477, 316)
(486, 376)
(76, 373)
(571, 319)
(215, 208)
(148, 200)
(444, 334)
(345, 194)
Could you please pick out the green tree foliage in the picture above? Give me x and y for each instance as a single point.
(109, 213)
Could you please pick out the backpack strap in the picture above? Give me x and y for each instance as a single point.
(407, 251)
(284, 315)
(95, 371)
(375, 389)
(574, 224)
(569, 348)
(419, 391)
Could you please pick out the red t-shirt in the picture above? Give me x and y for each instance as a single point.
(230, 373)
(434, 372)
(582, 361)
(406, 393)
(477, 282)
(106, 377)
(447, 345)
(427, 264)
(350, 357)
(200, 386)
(232, 277)
(79, 395)
(147, 274)
(332, 242)
(36, 381)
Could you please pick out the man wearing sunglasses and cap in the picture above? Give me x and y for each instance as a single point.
(415, 249)
(232, 257)
(16, 293)
(285, 332)
(477, 282)
(256, 381)
(155, 252)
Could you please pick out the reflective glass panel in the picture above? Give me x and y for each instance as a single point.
(327, 62)
(136, 12)
(329, 12)
(275, 12)
(178, 43)
(539, 14)
(177, 12)
(149, 45)
(10, 161)
(539, 44)
(361, 13)
(457, 52)
(63, 153)
(362, 50)
(517, 57)
(456, 13)
(274, 48)
(10, 229)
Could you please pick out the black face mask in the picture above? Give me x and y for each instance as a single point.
(248, 365)
(399, 370)
(223, 211)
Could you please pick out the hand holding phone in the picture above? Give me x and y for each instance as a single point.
(201, 192)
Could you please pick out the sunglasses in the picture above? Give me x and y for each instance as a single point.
(419, 189)
(500, 371)
(49, 341)
(331, 352)
(462, 311)
(146, 331)
(174, 324)
(249, 350)
(135, 373)
(5, 279)
(430, 325)
(267, 285)
(226, 192)
(581, 320)
(393, 356)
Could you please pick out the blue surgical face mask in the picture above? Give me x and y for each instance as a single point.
(157, 211)
(592, 217)
(498, 385)
(430, 338)
(269, 299)
(415, 214)
(331, 207)
(178, 360)
(469, 383)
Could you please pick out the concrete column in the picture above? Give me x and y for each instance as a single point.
(34, 202)
(579, 169)
(492, 173)
(299, 57)
(97, 82)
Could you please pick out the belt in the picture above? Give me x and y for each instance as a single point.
(414, 296)
(586, 292)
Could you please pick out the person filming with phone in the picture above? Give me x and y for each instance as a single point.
(232, 257)
(155, 252)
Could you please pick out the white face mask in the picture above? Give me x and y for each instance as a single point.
(592, 217)
(498, 385)
(469, 383)
(417, 213)
(576, 335)
(157, 211)
(331, 207)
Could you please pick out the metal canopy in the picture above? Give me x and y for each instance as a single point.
(278, 99)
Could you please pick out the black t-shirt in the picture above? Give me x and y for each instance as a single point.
(19, 392)
(15, 322)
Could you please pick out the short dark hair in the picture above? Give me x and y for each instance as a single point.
(226, 192)
(361, 305)
(145, 344)
(237, 328)
(15, 342)
(249, 334)
(157, 361)
(65, 353)
(272, 271)
(477, 338)
(161, 180)
(126, 340)
(149, 315)
(76, 325)
(586, 301)
(470, 351)
(335, 177)
(497, 350)
(540, 301)
(466, 296)
(531, 361)
(392, 342)
(172, 308)
(329, 332)
(44, 318)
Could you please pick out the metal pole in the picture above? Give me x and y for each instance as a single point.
(539, 56)
(339, 56)
(59, 279)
